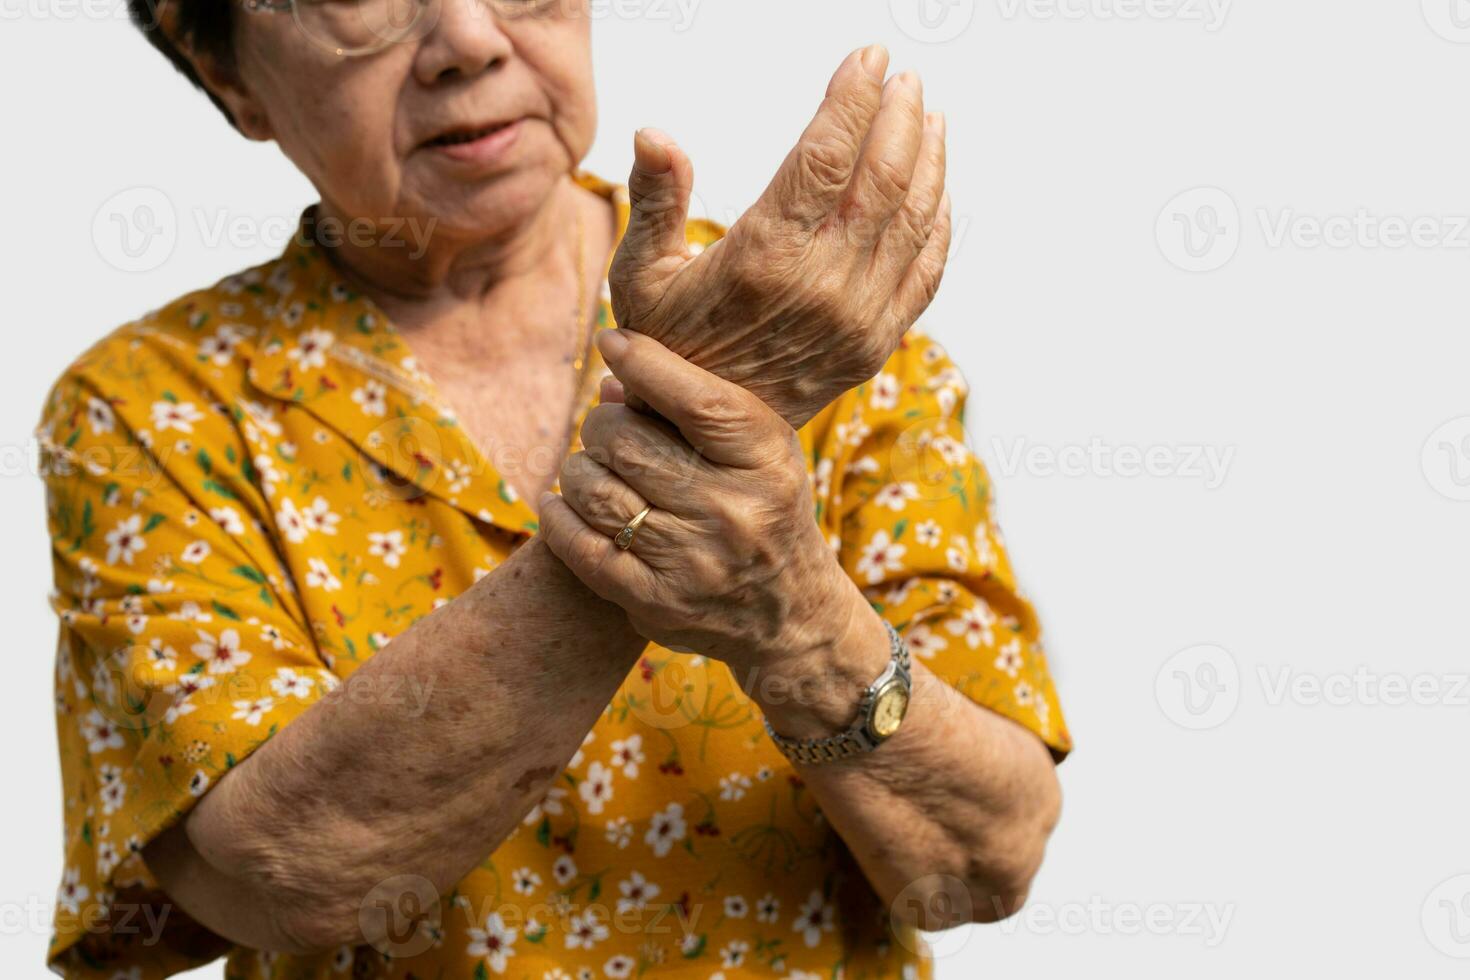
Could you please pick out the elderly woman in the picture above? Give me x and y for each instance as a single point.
(384, 652)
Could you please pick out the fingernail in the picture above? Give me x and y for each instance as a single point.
(649, 152)
(612, 343)
(874, 59)
(936, 122)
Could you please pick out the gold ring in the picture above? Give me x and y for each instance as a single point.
(624, 540)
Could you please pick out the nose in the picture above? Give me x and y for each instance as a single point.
(466, 39)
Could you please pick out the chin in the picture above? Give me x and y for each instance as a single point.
(496, 204)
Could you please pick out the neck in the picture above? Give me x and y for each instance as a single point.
(413, 284)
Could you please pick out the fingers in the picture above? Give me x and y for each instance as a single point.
(815, 174)
(722, 421)
(605, 502)
(885, 169)
(612, 573)
(910, 230)
(921, 282)
(659, 188)
(645, 454)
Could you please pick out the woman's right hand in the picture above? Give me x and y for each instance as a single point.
(813, 288)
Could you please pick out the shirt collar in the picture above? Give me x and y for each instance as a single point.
(332, 352)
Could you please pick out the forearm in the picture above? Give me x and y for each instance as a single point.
(355, 790)
(961, 800)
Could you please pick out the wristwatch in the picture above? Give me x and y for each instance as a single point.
(880, 712)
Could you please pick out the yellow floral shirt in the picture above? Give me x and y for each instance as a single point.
(254, 489)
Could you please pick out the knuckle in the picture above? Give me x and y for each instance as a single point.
(825, 162)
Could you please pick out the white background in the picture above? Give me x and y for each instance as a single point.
(1330, 834)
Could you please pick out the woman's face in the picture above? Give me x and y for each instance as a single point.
(368, 130)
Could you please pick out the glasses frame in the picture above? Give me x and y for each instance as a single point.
(293, 7)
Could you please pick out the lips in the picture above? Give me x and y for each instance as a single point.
(460, 135)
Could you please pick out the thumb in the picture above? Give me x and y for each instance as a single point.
(658, 194)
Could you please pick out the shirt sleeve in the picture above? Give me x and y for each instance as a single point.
(181, 650)
(908, 508)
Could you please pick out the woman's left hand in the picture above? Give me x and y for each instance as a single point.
(730, 562)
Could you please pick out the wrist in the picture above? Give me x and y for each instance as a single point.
(813, 689)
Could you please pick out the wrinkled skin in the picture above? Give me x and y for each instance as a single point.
(815, 285)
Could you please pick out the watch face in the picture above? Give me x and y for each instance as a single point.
(888, 709)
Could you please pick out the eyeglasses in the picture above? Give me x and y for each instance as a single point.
(351, 28)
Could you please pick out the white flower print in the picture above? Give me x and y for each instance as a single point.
(896, 496)
(815, 918)
(72, 892)
(736, 907)
(253, 710)
(289, 684)
(387, 545)
(290, 521)
(229, 519)
(585, 931)
(886, 389)
(175, 415)
(957, 555)
(372, 398)
(619, 967)
(1009, 658)
(311, 351)
(577, 756)
(1024, 693)
(564, 869)
(637, 893)
(194, 553)
(975, 624)
(550, 805)
(222, 655)
(272, 635)
(125, 540)
(733, 954)
(99, 733)
(162, 657)
(951, 450)
(665, 829)
(220, 347)
(733, 786)
(928, 533)
(319, 576)
(525, 881)
(768, 909)
(822, 478)
(112, 796)
(494, 943)
(620, 832)
(924, 643)
(265, 468)
(879, 556)
(597, 788)
(99, 416)
(627, 754)
(319, 517)
(199, 782)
